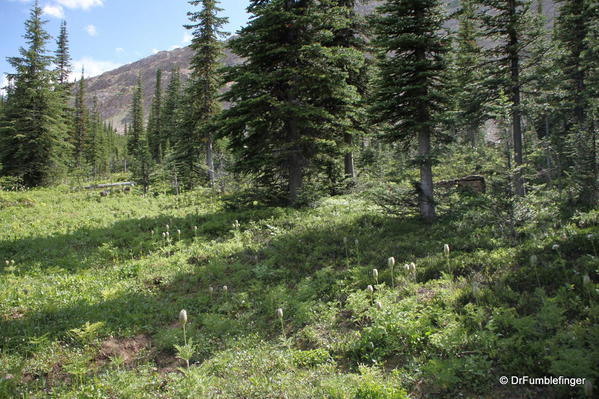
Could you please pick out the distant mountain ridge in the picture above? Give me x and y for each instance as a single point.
(113, 90)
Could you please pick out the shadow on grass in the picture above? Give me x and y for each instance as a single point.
(290, 269)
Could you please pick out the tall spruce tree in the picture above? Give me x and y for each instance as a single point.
(350, 33)
(577, 63)
(411, 91)
(468, 75)
(80, 124)
(282, 120)
(505, 24)
(170, 112)
(203, 89)
(63, 56)
(155, 120)
(33, 142)
(137, 144)
(136, 129)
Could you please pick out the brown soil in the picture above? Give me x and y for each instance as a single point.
(125, 348)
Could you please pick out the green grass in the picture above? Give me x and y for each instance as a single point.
(90, 307)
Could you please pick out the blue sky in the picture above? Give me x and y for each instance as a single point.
(105, 34)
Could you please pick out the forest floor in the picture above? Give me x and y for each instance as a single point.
(91, 289)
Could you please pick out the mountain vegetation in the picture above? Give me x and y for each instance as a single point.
(359, 207)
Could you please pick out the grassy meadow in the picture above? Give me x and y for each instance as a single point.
(91, 289)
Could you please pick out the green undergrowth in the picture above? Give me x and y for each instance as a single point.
(89, 307)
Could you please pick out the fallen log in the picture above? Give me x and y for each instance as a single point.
(107, 185)
(474, 183)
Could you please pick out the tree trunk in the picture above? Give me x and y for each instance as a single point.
(350, 171)
(425, 195)
(210, 160)
(514, 58)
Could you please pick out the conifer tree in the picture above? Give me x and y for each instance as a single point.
(203, 89)
(411, 91)
(284, 94)
(80, 125)
(32, 133)
(505, 24)
(155, 120)
(170, 112)
(350, 34)
(577, 64)
(63, 56)
(468, 75)
(136, 129)
(137, 145)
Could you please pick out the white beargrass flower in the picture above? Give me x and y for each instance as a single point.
(446, 249)
(279, 313)
(375, 273)
(379, 305)
(167, 227)
(183, 317)
(555, 247)
(225, 288)
(391, 262)
(370, 289)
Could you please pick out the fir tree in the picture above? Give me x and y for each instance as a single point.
(350, 33)
(411, 92)
(63, 57)
(155, 121)
(578, 63)
(80, 124)
(203, 88)
(505, 23)
(137, 144)
(284, 94)
(33, 143)
(136, 129)
(170, 113)
(468, 75)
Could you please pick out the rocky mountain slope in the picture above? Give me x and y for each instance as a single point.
(113, 90)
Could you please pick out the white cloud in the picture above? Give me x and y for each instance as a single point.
(91, 30)
(54, 11)
(187, 38)
(155, 51)
(92, 67)
(83, 4)
(119, 50)
(174, 46)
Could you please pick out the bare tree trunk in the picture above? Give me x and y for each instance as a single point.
(350, 171)
(514, 58)
(426, 198)
(210, 160)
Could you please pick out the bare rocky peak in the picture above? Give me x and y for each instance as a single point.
(114, 89)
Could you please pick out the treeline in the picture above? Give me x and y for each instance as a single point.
(309, 95)
(46, 133)
(321, 90)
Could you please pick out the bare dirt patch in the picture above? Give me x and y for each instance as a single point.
(127, 349)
